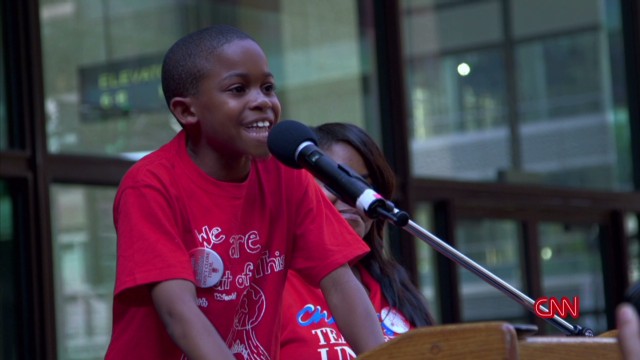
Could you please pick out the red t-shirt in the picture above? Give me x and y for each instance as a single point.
(170, 216)
(308, 330)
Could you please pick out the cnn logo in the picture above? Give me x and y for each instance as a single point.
(562, 307)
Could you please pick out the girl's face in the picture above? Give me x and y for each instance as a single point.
(343, 153)
(236, 104)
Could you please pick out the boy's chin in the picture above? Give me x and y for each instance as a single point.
(262, 156)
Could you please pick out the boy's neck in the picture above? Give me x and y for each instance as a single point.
(227, 169)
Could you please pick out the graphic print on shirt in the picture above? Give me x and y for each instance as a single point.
(246, 261)
(242, 339)
(331, 344)
(208, 266)
(209, 237)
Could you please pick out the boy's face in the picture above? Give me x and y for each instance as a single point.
(236, 104)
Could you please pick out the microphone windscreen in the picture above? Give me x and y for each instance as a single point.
(285, 138)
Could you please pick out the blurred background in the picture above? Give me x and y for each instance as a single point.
(513, 127)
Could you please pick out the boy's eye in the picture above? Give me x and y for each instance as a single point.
(269, 88)
(237, 89)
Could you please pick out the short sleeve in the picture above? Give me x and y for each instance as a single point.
(149, 245)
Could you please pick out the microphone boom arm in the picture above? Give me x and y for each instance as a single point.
(401, 219)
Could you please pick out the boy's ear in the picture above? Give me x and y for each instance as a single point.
(181, 108)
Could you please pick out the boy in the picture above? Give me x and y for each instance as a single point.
(209, 224)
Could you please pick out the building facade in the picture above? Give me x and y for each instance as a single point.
(513, 127)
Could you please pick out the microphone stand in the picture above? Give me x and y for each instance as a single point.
(401, 219)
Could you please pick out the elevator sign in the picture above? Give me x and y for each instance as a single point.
(119, 88)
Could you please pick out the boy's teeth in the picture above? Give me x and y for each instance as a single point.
(260, 124)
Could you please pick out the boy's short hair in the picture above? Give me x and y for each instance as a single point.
(188, 60)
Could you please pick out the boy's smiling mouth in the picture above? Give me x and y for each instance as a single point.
(260, 125)
(259, 128)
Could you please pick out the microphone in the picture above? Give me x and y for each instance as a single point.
(296, 146)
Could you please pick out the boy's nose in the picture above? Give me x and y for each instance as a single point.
(261, 101)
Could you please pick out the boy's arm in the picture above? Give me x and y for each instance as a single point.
(175, 301)
(352, 310)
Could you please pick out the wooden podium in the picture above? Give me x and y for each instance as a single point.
(492, 340)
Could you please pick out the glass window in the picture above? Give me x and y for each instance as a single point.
(548, 90)
(430, 30)
(631, 230)
(471, 100)
(565, 123)
(571, 267)
(426, 260)
(84, 248)
(8, 275)
(565, 112)
(526, 16)
(102, 84)
(494, 245)
(4, 118)
(458, 115)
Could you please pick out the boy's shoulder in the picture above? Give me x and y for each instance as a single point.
(160, 162)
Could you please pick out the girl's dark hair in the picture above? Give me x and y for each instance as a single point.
(395, 282)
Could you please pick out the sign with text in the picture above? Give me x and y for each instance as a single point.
(548, 307)
(119, 88)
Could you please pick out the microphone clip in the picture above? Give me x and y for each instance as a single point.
(388, 211)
